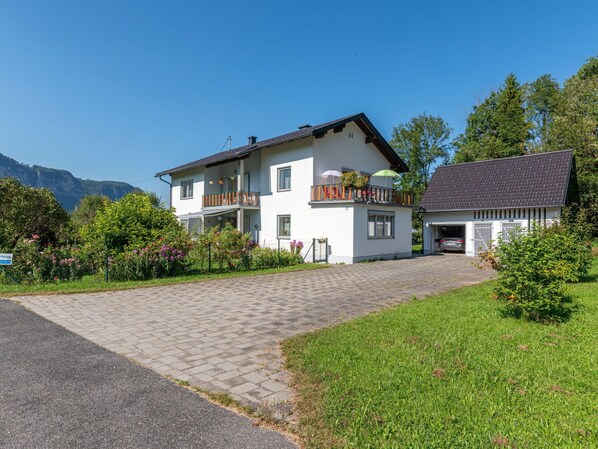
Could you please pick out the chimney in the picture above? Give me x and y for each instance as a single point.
(304, 126)
(251, 140)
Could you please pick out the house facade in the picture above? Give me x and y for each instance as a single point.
(478, 201)
(281, 189)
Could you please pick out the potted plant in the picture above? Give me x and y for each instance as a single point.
(354, 179)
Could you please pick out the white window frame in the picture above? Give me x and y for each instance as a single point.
(278, 178)
(507, 228)
(386, 219)
(186, 182)
(278, 227)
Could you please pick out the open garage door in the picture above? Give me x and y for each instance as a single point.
(449, 237)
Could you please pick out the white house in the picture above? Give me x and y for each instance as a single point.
(479, 200)
(277, 190)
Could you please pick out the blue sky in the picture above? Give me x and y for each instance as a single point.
(120, 90)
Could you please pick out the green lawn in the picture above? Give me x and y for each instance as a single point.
(416, 248)
(450, 371)
(95, 283)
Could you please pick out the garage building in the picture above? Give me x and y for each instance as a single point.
(477, 201)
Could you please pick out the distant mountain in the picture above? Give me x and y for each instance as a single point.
(67, 188)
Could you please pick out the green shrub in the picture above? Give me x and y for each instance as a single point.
(230, 249)
(533, 267)
(134, 221)
(270, 258)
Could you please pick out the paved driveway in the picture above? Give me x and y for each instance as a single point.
(223, 335)
(58, 390)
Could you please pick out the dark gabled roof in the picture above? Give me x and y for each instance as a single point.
(536, 180)
(320, 130)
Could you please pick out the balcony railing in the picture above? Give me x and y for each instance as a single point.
(367, 194)
(231, 199)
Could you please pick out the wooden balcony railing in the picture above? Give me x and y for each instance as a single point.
(231, 199)
(367, 194)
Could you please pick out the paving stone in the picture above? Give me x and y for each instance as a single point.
(243, 388)
(190, 332)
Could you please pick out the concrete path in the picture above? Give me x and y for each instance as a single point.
(58, 390)
(223, 335)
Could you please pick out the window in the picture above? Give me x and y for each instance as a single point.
(509, 229)
(284, 226)
(284, 179)
(380, 225)
(187, 189)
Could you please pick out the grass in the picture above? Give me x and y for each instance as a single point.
(95, 284)
(451, 371)
(416, 248)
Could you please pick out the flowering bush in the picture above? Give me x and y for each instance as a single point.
(35, 265)
(296, 247)
(156, 260)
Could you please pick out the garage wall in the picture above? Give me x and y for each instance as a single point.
(466, 218)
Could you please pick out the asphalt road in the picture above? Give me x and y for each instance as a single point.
(58, 390)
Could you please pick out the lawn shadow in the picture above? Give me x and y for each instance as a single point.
(557, 315)
(588, 279)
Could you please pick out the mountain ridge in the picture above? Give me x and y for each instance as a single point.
(67, 188)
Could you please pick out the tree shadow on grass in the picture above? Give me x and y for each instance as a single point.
(556, 315)
(588, 279)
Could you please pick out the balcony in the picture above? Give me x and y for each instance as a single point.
(240, 198)
(367, 194)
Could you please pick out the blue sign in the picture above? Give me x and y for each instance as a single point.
(5, 259)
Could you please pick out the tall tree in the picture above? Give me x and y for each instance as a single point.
(498, 127)
(542, 98)
(575, 126)
(421, 143)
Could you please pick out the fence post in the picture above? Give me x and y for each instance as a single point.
(106, 277)
(209, 257)
(313, 250)
(326, 249)
(278, 252)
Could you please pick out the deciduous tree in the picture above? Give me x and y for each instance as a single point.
(27, 211)
(422, 143)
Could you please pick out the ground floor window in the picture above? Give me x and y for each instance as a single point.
(381, 225)
(508, 228)
(284, 226)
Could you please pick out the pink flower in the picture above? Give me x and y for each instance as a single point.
(35, 237)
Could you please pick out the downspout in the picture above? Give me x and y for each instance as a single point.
(169, 192)
(420, 214)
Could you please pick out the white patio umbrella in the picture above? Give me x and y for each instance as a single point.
(331, 174)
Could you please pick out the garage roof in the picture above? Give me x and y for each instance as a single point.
(536, 180)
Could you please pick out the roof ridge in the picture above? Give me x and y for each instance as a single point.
(379, 141)
(320, 125)
(570, 150)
